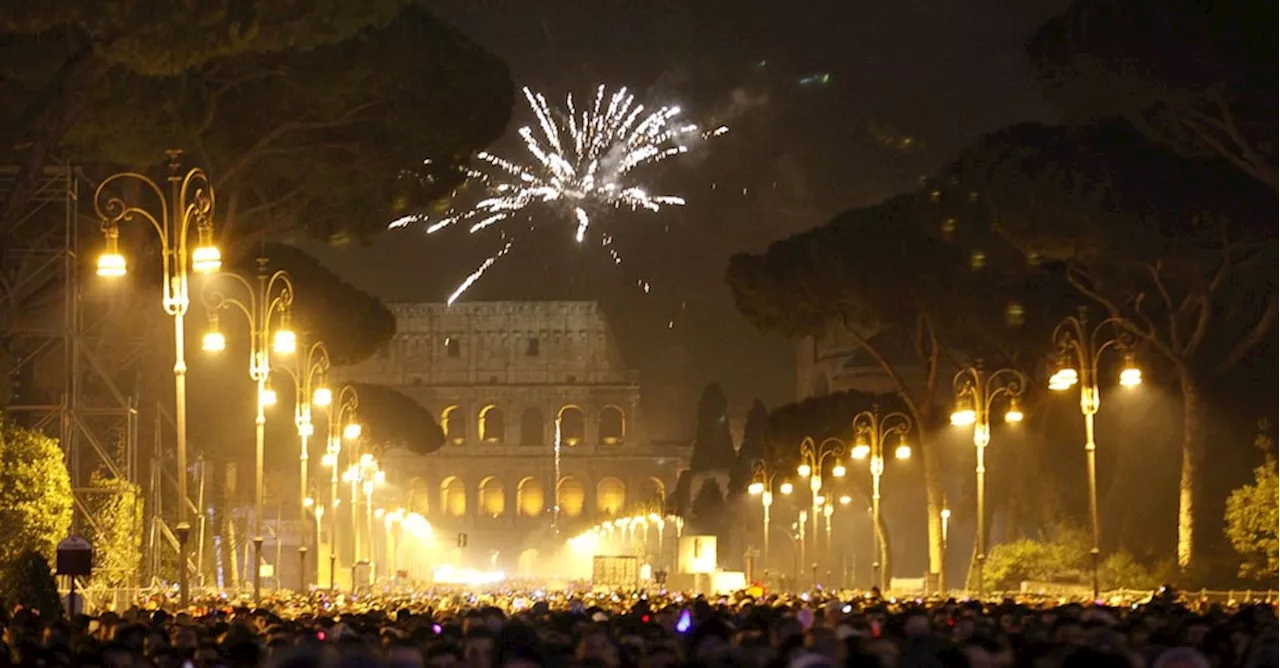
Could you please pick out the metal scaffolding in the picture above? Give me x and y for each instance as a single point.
(62, 361)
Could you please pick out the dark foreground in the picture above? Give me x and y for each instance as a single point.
(629, 631)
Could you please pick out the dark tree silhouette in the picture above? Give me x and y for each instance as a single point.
(28, 582)
(755, 446)
(713, 444)
(887, 274)
(1182, 248)
(1215, 94)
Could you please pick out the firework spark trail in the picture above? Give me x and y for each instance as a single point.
(475, 275)
(581, 160)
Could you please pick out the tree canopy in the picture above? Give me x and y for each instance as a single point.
(313, 118)
(754, 447)
(352, 323)
(713, 444)
(397, 419)
(1180, 249)
(1195, 75)
(35, 493)
(1253, 514)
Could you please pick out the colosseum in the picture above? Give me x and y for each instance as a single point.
(507, 381)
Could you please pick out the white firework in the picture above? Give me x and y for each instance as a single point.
(581, 161)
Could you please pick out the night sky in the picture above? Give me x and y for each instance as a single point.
(908, 84)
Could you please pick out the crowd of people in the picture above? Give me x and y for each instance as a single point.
(453, 629)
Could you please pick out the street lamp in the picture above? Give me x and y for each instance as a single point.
(1079, 349)
(363, 475)
(189, 206)
(945, 514)
(342, 425)
(870, 430)
(813, 455)
(308, 372)
(391, 520)
(976, 390)
(271, 295)
(762, 481)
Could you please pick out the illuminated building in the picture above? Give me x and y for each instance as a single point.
(500, 377)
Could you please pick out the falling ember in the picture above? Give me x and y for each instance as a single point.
(475, 275)
(579, 161)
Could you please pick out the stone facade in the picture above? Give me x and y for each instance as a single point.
(504, 379)
(836, 362)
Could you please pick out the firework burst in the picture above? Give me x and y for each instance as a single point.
(580, 162)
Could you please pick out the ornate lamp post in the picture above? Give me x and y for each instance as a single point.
(188, 206)
(364, 475)
(271, 295)
(1079, 349)
(870, 430)
(308, 373)
(976, 391)
(813, 455)
(762, 482)
(342, 424)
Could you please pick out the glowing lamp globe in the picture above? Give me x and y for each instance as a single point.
(112, 265)
(1014, 414)
(1130, 375)
(285, 342)
(213, 342)
(206, 259)
(1063, 379)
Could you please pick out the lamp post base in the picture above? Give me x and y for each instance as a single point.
(257, 571)
(183, 531)
(302, 569)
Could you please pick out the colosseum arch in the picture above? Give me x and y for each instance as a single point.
(453, 497)
(530, 498)
(419, 500)
(491, 498)
(454, 423)
(570, 496)
(612, 425)
(611, 496)
(531, 428)
(492, 426)
(653, 492)
(572, 423)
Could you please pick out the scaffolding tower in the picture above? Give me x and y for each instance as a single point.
(63, 362)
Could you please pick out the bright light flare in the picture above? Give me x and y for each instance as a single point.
(206, 259)
(213, 342)
(1014, 414)
(964, 417)
(1064, 379)
(285, 342)
(1130, 375)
